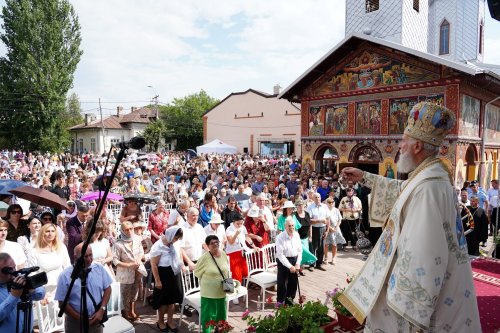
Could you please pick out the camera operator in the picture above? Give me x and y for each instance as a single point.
(11, 289)
(98, 285)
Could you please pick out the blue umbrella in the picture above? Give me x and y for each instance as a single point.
(9, 184)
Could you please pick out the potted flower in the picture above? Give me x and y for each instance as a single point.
(344, 317)
(309, 317)
(220, 326)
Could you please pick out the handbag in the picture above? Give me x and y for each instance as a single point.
(227, 283)
(97, 307)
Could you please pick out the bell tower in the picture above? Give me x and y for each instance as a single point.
(452, 29)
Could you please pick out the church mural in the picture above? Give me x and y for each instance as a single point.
(336, 119)
(371, 70)
(435, 99)
(368, 117)
(469, 122)
(399, 110)
(316, 126)
(492, 124)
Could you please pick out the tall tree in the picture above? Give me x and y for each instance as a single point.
(183, 119)
(42, 38)
(73, 112)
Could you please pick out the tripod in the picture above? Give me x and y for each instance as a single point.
(25, 306)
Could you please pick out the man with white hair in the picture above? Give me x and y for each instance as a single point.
(418, 276)
(265, 213)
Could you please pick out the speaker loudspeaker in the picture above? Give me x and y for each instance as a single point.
(494, 6)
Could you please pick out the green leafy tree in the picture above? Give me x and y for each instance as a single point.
(42, 38)
(73, 112)
(153, 133)
(183, 119)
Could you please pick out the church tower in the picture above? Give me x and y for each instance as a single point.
(452, 29)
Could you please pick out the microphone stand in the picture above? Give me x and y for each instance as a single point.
(79, 265)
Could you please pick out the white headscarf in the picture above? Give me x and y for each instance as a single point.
(170, 249)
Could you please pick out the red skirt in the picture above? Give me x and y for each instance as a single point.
(239, 268)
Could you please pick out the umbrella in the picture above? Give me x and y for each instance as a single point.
(95, 196)
(40, 196)
(141, 197)
(9, 184)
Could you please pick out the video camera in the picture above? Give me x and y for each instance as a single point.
(33, 281)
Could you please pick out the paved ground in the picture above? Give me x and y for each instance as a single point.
(313, 286)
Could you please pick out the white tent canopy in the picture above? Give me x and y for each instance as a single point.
(216, 146)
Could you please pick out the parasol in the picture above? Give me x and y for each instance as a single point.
(142, 197)
(40, 196)
(9, 184)
(98, 194)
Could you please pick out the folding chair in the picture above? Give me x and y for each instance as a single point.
(192, 297)
(48, 321)
(258, 274)
(239, 292)
(116, 323)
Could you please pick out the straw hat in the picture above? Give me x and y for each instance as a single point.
(253, 212)
(216, 219)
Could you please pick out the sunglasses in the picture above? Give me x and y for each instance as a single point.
(16, 212)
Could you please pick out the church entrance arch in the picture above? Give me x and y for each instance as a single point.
(365, 156)
(470, 162)
(325, 158)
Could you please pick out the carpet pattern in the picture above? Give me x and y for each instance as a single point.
(486, 273)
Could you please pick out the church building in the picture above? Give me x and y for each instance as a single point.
(355, 100)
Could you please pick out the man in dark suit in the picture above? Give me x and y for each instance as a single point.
(75, 225)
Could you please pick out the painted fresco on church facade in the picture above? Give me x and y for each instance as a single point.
(399, 112)
(336, 119)
(371, 70)
(469, 118)
(434, 99)
(316, 126)
(492, 129)
(368, 117)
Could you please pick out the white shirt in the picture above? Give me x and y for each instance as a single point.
(220, 232)
(15, 250)
(287, 246)
(268, 216)
(159, 249)
(492, 198)
(318, 212)
(192, 241)
(173, 217)
(239, 243)
(335, 217)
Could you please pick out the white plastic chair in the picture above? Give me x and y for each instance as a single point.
(116, 323)
(258, 274)
(241, 291)
(48, 321)
(192, 297)
(270, 260)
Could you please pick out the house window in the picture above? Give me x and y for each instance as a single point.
(80, 145)
(114, 142)
(481, 30)
(371, 5)
(444, 38)
(416, 5)
(92, 145)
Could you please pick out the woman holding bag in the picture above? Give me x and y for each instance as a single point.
(211, 269)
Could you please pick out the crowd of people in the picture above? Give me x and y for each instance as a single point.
(206, 207)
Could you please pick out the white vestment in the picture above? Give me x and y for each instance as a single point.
(418, 276)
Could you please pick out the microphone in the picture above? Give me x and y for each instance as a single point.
(24, 271)
(134, 143)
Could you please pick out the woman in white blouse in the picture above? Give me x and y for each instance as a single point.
(101, 250)
(216, 227)
(28, 241)
(51, 255)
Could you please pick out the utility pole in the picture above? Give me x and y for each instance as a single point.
(102, 128)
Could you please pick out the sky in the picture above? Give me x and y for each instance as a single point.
(134, 50)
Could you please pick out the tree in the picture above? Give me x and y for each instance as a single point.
(153, 133)
(73, 112)
(42, 38)
(183, 119)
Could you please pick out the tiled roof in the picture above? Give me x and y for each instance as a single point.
(142, 115)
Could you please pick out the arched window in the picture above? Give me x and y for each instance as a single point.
(371, 5)
(444, 38)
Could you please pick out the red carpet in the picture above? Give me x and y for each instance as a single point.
(486, 272)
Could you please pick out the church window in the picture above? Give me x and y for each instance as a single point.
(444, 38)
(371, 5)
(481, 32)
(416, 5)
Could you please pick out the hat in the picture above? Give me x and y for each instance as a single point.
(430, 123)
(288, 204)
(170, 183)
(216, 219)
(253, 212)
(299, 202)
(237, 217)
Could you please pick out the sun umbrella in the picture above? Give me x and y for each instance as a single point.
(40, 196)
(9, 184)
(141, 197)
(95, 195)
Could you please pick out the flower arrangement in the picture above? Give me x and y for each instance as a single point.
(333, 296)
(220, 326)
(307, 317)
